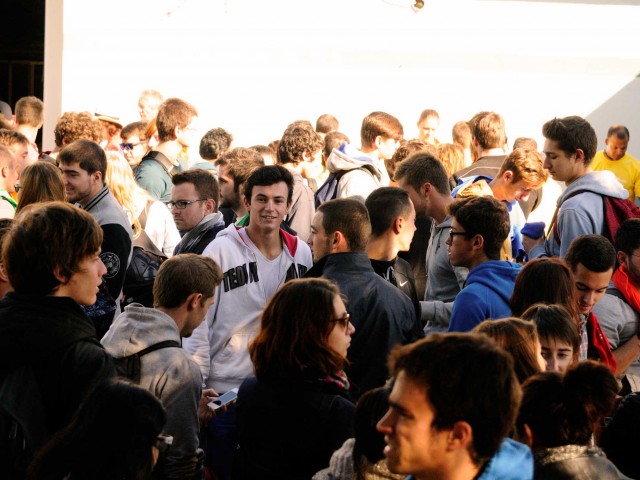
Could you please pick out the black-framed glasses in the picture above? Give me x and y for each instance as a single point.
(163, 442)
(182, 204)
(343, 321)
(453, 233)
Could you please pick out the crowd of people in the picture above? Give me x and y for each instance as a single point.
(317, 307)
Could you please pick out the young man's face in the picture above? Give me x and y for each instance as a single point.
(185, 136)
(387, 146)
(196, 316)
(427, 130)
(515, 191)
(79, 185)
(228, 197)
(558, 355)
(84, 284)
(10, 177)
(407, 231)
(632, 264)
(21, 153)
(319, 241)
(419, 202)
(562, 166)
(591, 286)
(460, 248)
(134, 150)
(616, 148)
(414, 446)
(268, 207)
(187, 218)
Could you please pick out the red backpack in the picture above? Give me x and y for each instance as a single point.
(616, 211)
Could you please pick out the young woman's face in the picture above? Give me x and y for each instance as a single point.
(340, 335)
(557, 354)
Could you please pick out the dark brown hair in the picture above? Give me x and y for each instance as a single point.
(294, 329)
(45, 238)
(544, 280)
(40, 182)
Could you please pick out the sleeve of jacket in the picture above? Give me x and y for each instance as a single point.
(116, 250)
(341, 425)
(179, 389)
(412, 327)
(91, 366)
(301, 214)
(468, 311)
(436, 312)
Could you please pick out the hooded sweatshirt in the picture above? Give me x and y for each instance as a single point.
(581, 213)
(168, 373)
(219, 344)
(485, 295)
(363, 177)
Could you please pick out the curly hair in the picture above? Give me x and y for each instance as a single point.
(72, 126)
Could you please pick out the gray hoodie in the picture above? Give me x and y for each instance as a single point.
(581, 213)
(168, 373)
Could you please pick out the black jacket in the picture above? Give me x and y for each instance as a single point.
(382, 316)
(289, 432)
(398, 273)
(57, 340)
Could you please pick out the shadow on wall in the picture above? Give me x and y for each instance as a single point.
(622, 108)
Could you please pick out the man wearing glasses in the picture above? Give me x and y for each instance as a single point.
(424, 178)
(194, 206)
(479, 227)
(134, 143)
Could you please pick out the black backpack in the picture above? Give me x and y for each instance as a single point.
(129, 367)
(141, 272)
(22, 421)
(329, 189)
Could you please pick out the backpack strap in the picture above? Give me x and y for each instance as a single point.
(158, 346)
(153, 155)
(143, 241)
(554, 221)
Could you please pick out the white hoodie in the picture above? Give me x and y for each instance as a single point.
(219, 345)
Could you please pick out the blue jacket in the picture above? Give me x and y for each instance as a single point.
(485, 295)
(513, 461)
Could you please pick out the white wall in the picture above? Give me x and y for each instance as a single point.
(253, 66)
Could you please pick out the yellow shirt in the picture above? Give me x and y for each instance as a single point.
(627, 169)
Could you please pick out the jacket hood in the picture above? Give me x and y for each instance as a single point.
(513, 460)
(472, 185)
(600, 182)
(497, 275)
(348, 157)
(137, 328)
(290, 242)
(33, 327)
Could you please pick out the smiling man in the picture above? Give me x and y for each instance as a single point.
(569, 147)
(434, 432)
(194, 206)
(83, 164)
(255, 261)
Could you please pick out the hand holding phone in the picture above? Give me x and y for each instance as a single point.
(224, 399)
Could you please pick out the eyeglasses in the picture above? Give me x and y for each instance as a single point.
(17, 187)
(163, 442)
(452, 234)
(129, 146)
(182, 204)
(343, 321)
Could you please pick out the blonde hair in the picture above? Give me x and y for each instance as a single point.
(526, 165)
(123, 186)
(452, 157)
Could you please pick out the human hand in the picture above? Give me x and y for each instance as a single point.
(528, 243)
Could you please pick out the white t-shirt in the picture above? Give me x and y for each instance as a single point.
(268, 270)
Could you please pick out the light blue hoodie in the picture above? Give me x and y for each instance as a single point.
(513, 461)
